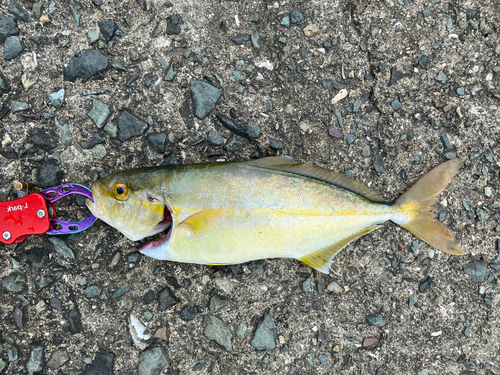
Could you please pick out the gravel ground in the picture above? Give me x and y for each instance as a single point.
(381, 91)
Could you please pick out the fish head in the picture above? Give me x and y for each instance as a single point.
(133, 202)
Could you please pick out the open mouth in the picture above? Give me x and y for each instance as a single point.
(164, 226)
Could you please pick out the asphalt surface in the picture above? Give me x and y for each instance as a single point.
(380, 91)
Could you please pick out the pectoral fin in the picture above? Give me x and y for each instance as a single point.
(204, 222)
(321, 259)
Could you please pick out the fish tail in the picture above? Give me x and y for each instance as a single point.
(419, 201)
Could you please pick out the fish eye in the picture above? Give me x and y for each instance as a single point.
(120, 191)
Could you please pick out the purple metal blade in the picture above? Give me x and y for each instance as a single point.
(53, 194)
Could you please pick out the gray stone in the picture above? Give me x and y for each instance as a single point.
(441, 77)
(214, 138)
(63, 126)
(120, 292)
(253, 129)
(234, 143)
(449, 24)
(130, 125)
(315, 15)
(102, 364)
(215, 329)
(423, 62)
(265, 335)
(378, 163)
(187, 314)
(95, 140)
(59, 358)
(461, 91)
(481, 215)
(445, 141)
(396, 105)
(158, 29)
(16, 106)
(171, 73)
(57, 98)
(327, 83)
(111, 129)
(154, 361)
(75, 320)
(217, 302)
(38, 257)
(476, 270)
(276, 144)
(92, 291)
(52, 7)
(241, 330)
(173, 26)
(4, 84)
(12, 48)
(56, 303)
(99, 112)
(14, 282)
(61, 247)
(43, 282)
(166, 299)
(296, 17)
(204, 98)
(93, 37)
(255, 266)
(256, 39)
(241, 39)
(199, 366)
(118, 65)
(14, 354)
(366, 152)
(7, 28)
(37, 358)
(85, 66)
(18, 11)
(157, 141)
(50, 175)
(285, 21)
(376, 320)
(100, 151)
(74, 8)
(108, 29)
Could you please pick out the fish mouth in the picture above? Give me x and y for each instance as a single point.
(155, 248)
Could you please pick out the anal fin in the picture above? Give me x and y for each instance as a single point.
(321, 259)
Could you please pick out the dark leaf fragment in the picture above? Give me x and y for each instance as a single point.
(232, 126)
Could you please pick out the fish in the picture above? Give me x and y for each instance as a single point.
(274, 207)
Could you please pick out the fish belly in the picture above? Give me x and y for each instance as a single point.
(238, 240)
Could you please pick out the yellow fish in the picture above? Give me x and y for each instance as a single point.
(235, 212)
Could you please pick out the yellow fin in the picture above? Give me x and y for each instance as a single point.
(203, 222)
(321, 259)
(420, 199)
(287, 164)
(427, 228)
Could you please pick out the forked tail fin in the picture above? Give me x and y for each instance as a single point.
(419, 201)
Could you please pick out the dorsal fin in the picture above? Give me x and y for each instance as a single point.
(287, 164)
